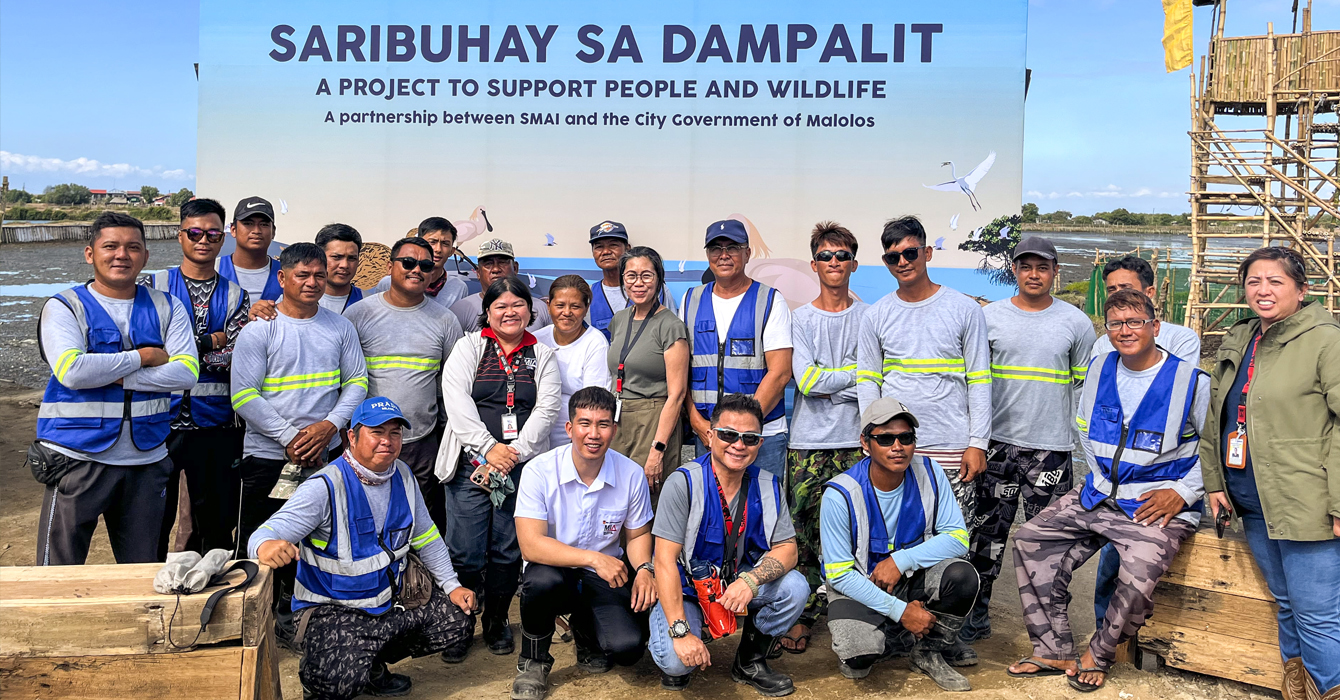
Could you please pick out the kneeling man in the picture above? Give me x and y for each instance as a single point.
(572, 507)
(722, 516)
(893, 539)
(350, 577)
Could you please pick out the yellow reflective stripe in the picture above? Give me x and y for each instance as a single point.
(1041, 370)
(868, 376)
(319, 544)
(274, 389)
(979, 373)
(189, 361)
(944, 361)
(835, 570)
(241, 398)
(402, 362)
(65, 362)
(303, 378)
(1080, 372)
(960, 535)
(423, 540)
(360, 381)
(1049, 380)
(980, 380)
(1083, 424)
(804, 382)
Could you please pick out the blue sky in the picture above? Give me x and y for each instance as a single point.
(105, 95)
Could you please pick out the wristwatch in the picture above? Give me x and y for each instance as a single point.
(646, 565)
(679, 629)
(659, 446)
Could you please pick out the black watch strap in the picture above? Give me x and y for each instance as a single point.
(648, 567)
(659, 446)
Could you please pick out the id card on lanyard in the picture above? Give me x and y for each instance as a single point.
(510, 425)
(1236, 457)
(629, 340)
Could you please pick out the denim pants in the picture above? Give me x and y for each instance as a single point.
(1109, 563)
(482, 541)
(771, 454)
(1304, 577)
(775, 609)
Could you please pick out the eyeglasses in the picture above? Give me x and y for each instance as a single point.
(730, 437)
(212, 235)
(716, 251)
(632, 278)
(841, 255)
(1134, 324)
(424, 265)
(887, 439)
(910, 254)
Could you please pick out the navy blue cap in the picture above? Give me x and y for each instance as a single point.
(609, 229)
(730, 228)
(376, 411)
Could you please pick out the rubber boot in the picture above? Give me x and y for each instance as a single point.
(384, 684)
(675, 683)
(532, 677)
(960, 653)
(497, 631)
(751, 663)
(590, 657)
(928, 654)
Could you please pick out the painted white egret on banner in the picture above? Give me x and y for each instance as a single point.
(940, 243)
(549, 240)
(968, 183)
(953, 223)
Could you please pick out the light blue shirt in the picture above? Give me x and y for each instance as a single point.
(835, 538)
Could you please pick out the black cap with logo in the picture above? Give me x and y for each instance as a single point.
(252, 206)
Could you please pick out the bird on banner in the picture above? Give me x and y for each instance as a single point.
(968, 183)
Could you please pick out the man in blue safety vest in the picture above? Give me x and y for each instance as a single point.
(609, 242)
(361, 534)
(250, 264)
(117, 352)
(206, 439)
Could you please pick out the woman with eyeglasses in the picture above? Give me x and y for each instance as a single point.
(501, 389)
(648, 359)
(1270, 453)
(579, 348)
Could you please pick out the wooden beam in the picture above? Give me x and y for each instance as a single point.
(1213, 654)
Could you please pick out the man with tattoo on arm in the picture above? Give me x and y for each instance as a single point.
(720, 515)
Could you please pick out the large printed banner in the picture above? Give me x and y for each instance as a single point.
(547, 118)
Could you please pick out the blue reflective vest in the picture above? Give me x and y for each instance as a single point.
(210, 405)
(706, 536)
(272, 289)
(355, 296)
(870, 541)
(601, 313)
(737, 364)
(1156, 449)
(352, 564)
(89, 420)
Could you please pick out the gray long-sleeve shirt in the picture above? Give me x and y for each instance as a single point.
(823, 361)
(290, 373)
(308, 511)
(404, 350)
(66, 348)
(933, 356)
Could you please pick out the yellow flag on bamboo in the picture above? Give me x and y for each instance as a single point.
(1176, 34)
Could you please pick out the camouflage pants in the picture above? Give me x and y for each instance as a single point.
(965, 492)
(341, 645)
(1049, 548)
(809, 469)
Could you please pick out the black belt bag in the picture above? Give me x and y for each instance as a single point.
(49, 466)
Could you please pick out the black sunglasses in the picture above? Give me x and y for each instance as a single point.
(212, 235)
(424, 265)
(887, 439)
(909, 255)
(841, 255)
(729, 437)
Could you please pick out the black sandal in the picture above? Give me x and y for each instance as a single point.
(1080, 685)
(1044, 669)
(794, 640)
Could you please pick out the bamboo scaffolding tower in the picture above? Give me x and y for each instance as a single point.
(1276, 183)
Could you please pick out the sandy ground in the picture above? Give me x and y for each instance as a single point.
(815, 672)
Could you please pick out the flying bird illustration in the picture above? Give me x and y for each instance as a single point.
(968, 183)
(681, 265)
(953, 223)
(940, 242)
(549, 239)
(283, 207)
(531, 278)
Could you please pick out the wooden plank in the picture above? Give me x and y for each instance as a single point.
(1210, 611)
(207, 674)
(258, 607)
(1213, 654)
(1226, 566)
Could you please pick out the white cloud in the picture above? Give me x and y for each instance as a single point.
(17, 162)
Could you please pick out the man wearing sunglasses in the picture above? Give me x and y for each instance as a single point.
(927, 344)
(893, 546)
(250, 264)
(206, 439)
(740, 336)
(824, 435)
(609, 241)
(343, 244)
(406, 339)
(1138, 417)
(445, 288)
(496, 261)
(721, 516)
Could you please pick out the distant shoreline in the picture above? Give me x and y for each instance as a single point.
(1088, 228)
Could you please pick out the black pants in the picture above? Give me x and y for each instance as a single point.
(602, 617)
(129, 499)
(860, 635)
(209, 458)
(259, 476)
(342, 644)
(482, 540)
(421, 458)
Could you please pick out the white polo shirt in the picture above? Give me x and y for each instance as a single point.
(581, 516)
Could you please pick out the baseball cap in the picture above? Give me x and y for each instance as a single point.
(609, 229)
(884, 410)
(376, 411)
(729, 229)
(1035, 245)
(252, 206)
(494, 247)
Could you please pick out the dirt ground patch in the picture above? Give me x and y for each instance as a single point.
(815, 672)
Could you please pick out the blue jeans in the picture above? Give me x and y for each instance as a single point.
(1109, 563)
(771, 454)
(1304, 577)
(775, 609)
(482, 541)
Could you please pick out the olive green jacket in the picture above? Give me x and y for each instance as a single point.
(1293, 420)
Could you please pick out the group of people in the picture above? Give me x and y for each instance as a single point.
(408, 457)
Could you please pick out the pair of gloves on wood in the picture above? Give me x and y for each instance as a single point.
(188, 572)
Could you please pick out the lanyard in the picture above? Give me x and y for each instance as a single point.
(629, 340)
(511, 378)
(731, 553)
(1242, 401)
